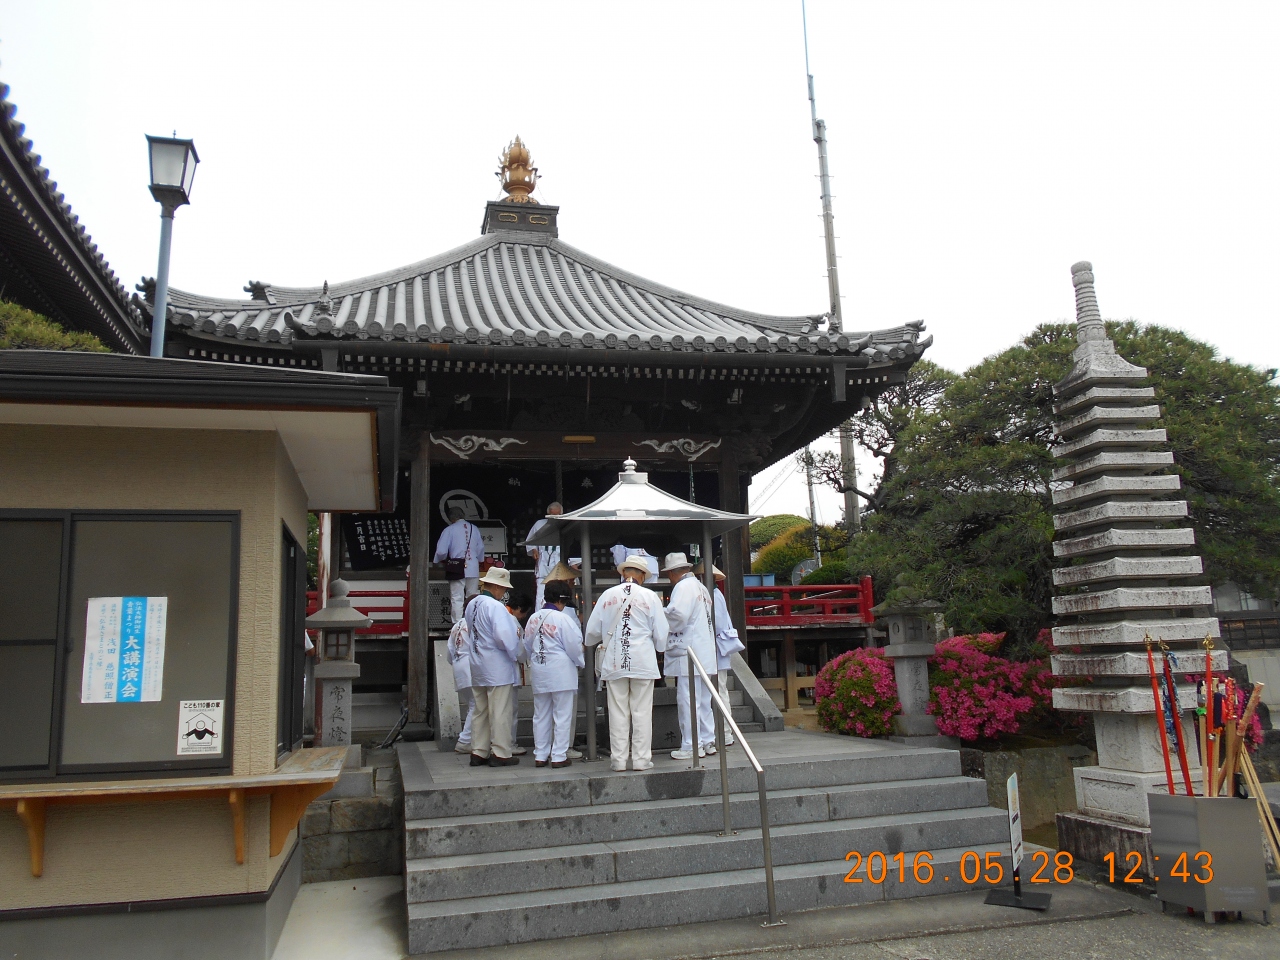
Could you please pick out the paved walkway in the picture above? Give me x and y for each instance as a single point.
(364, 920)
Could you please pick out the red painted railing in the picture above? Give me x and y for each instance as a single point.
(809, 606)
(382, 626)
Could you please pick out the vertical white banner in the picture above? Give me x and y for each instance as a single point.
(124, 650)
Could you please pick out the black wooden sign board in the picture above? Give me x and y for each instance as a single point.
(377, 540)
(374, 540)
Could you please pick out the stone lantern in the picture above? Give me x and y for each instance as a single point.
(336, 665)
(913, 628)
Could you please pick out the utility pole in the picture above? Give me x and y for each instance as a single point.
(848, 470)
(813, 510)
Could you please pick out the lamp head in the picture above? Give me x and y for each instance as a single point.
(173, 169)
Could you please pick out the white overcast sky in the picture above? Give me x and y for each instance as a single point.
(979, 149)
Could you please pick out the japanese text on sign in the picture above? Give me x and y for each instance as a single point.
(124, 650)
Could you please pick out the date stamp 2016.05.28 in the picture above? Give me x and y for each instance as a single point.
(973, 868)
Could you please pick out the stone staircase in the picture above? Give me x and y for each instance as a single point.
(513, 855)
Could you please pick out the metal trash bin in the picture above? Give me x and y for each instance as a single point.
(1225, 827)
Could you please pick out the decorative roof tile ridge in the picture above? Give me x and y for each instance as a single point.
(300, 296)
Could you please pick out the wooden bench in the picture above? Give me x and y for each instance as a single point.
(304, 776)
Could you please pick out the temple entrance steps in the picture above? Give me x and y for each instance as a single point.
(513, 855)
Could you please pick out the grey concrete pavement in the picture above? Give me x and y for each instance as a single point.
(364, 920)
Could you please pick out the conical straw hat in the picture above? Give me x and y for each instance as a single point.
(562, 571)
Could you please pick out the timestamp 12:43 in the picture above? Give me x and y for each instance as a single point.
(1182, 870)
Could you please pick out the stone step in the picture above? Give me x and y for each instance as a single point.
(590, 785)
(588, 864)
(523, 917)
(531, 829)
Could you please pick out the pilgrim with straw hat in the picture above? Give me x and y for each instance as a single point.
(630, 623)
(727, 641)
(495, 646)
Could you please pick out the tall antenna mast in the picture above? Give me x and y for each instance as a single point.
(849, 473)
(828, 220)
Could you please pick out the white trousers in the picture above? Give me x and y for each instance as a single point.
(630, 720)
(492, 718)
(542, 592)
(465, 736)
(552, 725)
(458, 590)
(706, 722)
(723, 679)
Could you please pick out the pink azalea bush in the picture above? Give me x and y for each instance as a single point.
(857, 695)
(975, 694)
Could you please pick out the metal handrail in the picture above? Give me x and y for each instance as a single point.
(723, 715)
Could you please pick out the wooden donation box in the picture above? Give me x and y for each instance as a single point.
(153, 577)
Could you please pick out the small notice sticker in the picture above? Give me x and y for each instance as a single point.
(199, 727)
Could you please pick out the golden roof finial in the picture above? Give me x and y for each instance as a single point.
(519, 175)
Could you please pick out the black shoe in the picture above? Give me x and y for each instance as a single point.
(539, 763)
(497, 761)
(479, 761)
(556, 765)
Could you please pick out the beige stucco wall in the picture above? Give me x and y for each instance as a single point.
(104, 853)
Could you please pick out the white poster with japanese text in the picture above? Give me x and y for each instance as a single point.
(124, 650)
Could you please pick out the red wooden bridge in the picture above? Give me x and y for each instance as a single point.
(809, 606)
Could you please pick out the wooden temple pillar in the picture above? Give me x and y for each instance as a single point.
(734, 545)
(420, 651)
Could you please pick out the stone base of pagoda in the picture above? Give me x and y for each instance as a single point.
(1120, 796)
(1089, 839)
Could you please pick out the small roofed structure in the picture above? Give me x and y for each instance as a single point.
(634, 510)
(634, 501)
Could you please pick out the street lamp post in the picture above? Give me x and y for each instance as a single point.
(173, 168)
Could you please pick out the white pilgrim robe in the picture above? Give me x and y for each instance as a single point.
(629, 621)
(460, 655)
(689, 620)
(552, 647)
(727, 640)
(548, 554)
(454, 543)
(495, 642)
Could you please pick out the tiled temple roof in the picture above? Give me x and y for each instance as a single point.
(47, 248)
(521, 288)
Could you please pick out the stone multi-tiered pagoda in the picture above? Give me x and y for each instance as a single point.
(1129, 575)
